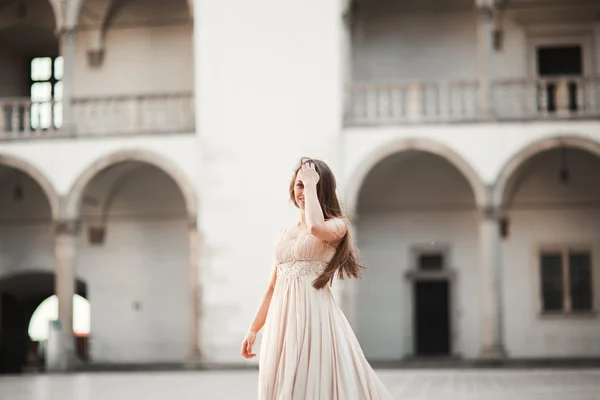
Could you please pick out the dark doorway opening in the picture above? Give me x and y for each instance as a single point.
(20, 296)
(432, 317)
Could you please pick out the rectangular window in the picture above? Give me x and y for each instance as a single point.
(431, 262)
(560, 60)
(46, 92)
(566, 281)
(580, 281)
(552, 282)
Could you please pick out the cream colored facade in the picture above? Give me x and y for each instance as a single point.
(158, 187)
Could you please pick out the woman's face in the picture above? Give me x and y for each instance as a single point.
(299, 192)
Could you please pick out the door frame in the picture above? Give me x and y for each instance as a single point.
(414, 275)
(583, 39)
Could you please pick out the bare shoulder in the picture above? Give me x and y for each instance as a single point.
(281, 234)
(286, 232)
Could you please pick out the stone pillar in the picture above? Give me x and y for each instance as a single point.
(346, 53)
(194, 290)
(492, 344)
(279, 90)
(65, 237)
(485, 34)
(67, 49)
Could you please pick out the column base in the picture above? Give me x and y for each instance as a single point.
(492, 354)
(193, 361)
(68, 362)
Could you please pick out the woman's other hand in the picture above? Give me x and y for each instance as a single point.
(247, 345)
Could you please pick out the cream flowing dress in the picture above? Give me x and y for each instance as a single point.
(308, 350)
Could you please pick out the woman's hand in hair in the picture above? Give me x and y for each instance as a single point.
(308, 174)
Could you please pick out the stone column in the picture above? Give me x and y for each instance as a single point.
(65, 237)
(492, 345)
(194, 290)
(346, 52)
(67, 49)
(485, 33)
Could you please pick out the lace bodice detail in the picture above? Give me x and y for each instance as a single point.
(304, 255)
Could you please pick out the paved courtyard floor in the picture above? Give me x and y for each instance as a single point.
(577, 384)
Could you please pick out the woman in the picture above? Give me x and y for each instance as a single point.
(309, 350)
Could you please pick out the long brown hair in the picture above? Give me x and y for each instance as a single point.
(344, 261)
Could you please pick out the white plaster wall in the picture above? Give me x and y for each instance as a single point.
(544, 212)
(411, 46)
(137, 61)
(384, 298)
(512, 60)
(527, 333)
(137, 279)
(412, 200)
(148, 49)
(268, 91)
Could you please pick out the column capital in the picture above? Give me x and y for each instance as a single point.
(490, 212)
(66, 32)
(67, 227)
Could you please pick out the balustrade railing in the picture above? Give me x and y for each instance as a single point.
(98, 116)
(367, 103)
(157, 113)
(546, 98)
(21, 117)
(456, 101)
(416, 103)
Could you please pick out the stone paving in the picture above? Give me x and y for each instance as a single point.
(574, 384)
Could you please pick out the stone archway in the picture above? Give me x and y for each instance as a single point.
(74, 198)
(44, 183)
(503, 182)
(30, 209)
(549, 196)
(139, 226)
(358, 176)
(417, 203)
